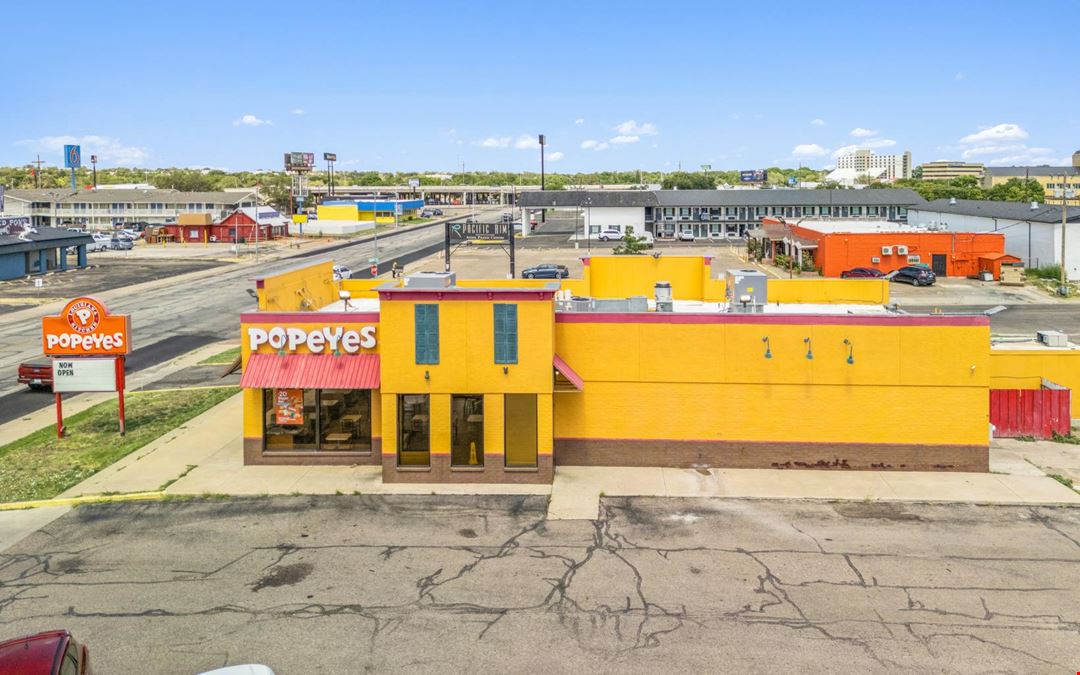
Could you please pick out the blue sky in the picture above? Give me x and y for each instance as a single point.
(426, 86)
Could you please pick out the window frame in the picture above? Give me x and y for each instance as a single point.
(426, 339)
(506, 338)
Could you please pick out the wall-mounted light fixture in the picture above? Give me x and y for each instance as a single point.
(809, 348)
(427, 374)
(768, 347)
(850, 351)
(506, 370)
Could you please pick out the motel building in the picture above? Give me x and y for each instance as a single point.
(643, 362)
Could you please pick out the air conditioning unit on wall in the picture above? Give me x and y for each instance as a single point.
(886, 250)
(875, 260)
(901, 250)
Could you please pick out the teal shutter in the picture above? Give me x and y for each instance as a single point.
(506, 336)
(426, 320)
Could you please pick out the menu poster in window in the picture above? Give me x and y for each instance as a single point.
(289, 407)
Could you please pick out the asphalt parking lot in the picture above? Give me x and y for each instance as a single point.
(486, 584)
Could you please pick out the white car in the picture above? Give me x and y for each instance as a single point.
(609, 235)
(342, 272)
(101, 242)
(685, 235)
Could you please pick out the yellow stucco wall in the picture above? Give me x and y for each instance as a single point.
(338, 212)
(909, 384)
(1025, 368)
(302, 289)
(624, 276)
(829, 291)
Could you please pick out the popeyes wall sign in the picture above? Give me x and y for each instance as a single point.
(83, 328)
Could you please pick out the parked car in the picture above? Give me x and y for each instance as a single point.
(646, 237)
(436, 212)
(77, 230)
(36, 373)
(427, 213)
(685, 235)
(47, 653)
(609, 235)
(545, 271)
(914, 275)
(862, 273)
(120, 242)
(342, 272)
(100, 243)
(130, 234)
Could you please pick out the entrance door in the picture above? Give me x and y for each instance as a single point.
(937, 263)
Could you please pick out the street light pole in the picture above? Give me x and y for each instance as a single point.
(1063, 288)
(257, 185)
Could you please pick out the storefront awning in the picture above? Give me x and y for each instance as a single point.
(311, 371)
(566, 371)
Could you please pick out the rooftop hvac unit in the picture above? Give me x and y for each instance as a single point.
(638, 303)
(886, 250)
(747, 290)
(901, 250)
(662, 291)
(431, 280)
(1053, 338)
(579, 304)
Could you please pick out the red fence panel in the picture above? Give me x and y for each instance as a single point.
(1030, 412)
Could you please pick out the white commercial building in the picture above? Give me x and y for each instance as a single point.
(101, 209)
(1032, 231)
(862, 161)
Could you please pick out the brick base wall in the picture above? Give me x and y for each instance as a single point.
(761, 455)
(253, 454)
(493, 471)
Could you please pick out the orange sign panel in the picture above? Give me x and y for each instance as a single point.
(289, 407)
(85, 327)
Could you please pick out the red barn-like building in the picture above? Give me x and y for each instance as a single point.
(237, 227)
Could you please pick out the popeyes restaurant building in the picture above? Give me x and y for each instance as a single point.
(443, 380)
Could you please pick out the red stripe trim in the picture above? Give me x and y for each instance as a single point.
(595, 439)
(309, 317)
(443, 295)
(771, 319)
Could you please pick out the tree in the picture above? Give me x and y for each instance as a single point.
(682, 180)
(1017, 190)
(631, 244)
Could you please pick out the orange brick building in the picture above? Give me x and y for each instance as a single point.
(836, 246)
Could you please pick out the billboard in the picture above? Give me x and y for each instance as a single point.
(72, 156)
(330, 156)
(471, 230)
(299, 161)
(754, 176)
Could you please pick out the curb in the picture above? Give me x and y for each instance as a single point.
(83, 499)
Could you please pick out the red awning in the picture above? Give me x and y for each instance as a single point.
(311, 371)
(564, 368)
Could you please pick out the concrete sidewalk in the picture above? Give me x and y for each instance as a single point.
(206, 456)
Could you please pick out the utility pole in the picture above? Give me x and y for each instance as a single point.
(1065, 193)
(37, 173)
(257, 185)
(543, 142)
(93, 161)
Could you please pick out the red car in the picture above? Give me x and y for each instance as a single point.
(862, 273)
(49, 653)
(36, 373)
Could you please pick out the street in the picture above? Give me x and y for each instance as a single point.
(201, 311)
(481, 584)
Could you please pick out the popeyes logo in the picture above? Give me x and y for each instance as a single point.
(85, 326)
(329, 339)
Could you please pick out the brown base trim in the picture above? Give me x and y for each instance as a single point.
(255, 455)
(493, 471)
(764, 455)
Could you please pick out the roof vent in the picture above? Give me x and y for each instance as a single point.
(1034, 206)
(952, 201)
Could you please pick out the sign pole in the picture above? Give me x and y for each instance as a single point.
(120, 384)
(510, 232)
(447, 247)
(59, 416)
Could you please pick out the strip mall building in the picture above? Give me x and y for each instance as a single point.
(643, 362)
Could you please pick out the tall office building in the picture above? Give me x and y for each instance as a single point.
(895, 166)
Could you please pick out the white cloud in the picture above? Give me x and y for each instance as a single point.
(859, 132)
(996, 134)
(108, 150)
(526, 142)
(250, 120)
(580, 120)
(594, 145)
(983, 150)
(817, 122)
(555, 156)
(809, 150)
(873, 144)
(495, 142)
(297, 111)
(622, 140)
(632, 128)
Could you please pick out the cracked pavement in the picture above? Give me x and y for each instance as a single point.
(479, 584)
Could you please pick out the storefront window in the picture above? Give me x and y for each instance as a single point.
(467, 430)
(414, 430)
(290, 417)
(321, 420)
(345, 419)
(520, 426)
